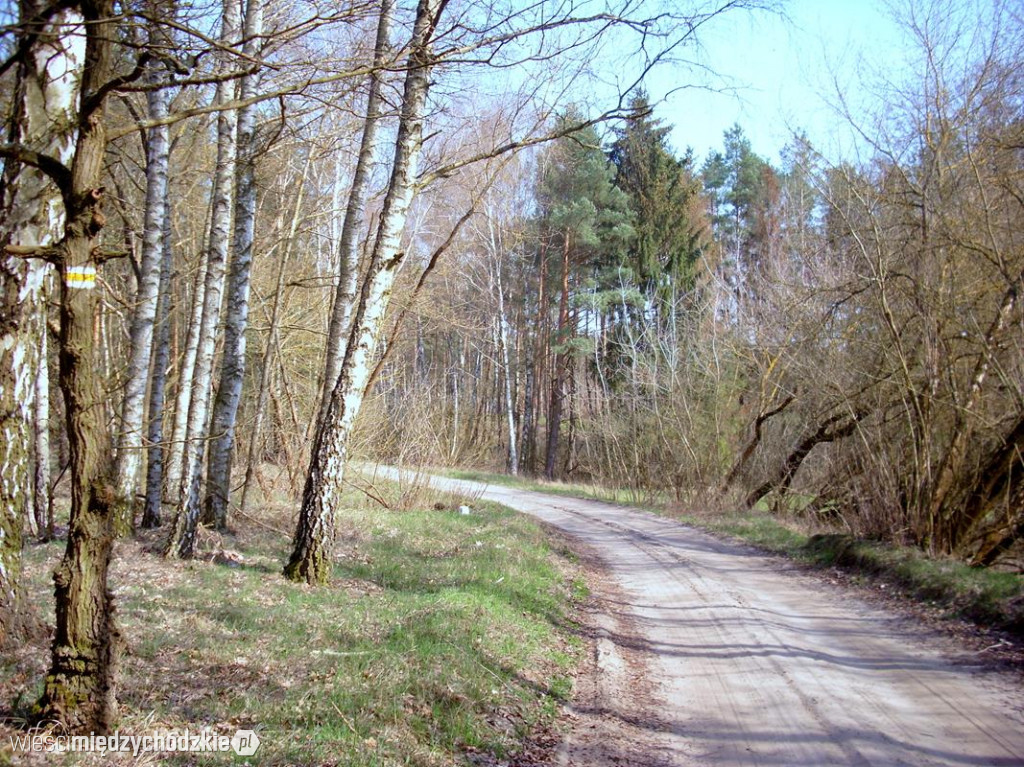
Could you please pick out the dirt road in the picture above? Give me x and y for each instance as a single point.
(709, 653)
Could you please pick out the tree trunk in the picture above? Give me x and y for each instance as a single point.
(833, 428)
(998, 487)
(79, 688)
(30, 209)
(151, 512)
(558, 382)
(183, 398)
(181, 541)
(129, 445)
(41, 406)
(755, 440)
(232, 367)
(942, 516)
(512, 464)
(348, 253)
(314, 536)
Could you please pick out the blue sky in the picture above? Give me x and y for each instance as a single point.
(780, 68)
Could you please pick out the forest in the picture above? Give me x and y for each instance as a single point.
(247, 244)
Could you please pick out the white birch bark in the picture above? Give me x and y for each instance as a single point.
(41, 407)
(129, 446)
(151, 516)
(183, 399)
(32, 213)
(181, 541)
(232, 367)
(314, 536)
(510, 405)
(348, 253)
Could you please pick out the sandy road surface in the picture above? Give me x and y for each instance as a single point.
(709, 653)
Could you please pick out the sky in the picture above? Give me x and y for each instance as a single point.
(780, 69)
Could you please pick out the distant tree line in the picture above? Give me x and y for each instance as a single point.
(840, 341)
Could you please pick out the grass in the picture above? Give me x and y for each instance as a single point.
(985, 596)
(444, 637)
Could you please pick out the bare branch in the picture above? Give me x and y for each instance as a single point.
(58, 172)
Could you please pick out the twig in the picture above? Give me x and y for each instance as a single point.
(261, 524)
(368, 494)
(345, 719)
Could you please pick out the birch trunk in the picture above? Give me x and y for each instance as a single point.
(314, 536)
(151, 516)
(232, 367)
(561, 363)
(183, 398)
(129, 445)
(181, 542)
(510, 417)
(32, 215)
(41, 407)
(348, 254)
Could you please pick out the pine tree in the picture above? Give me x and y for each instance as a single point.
(587, 218)
(744, 197)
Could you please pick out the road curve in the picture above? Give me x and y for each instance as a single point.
(710, 653)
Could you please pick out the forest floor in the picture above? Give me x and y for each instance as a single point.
(444, 638)
(707, 651)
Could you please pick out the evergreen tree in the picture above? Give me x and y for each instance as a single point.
(586, 218)
(744, 192)
(665, 199)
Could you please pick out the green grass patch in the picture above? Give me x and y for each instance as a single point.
(441, 635)
(983, 595)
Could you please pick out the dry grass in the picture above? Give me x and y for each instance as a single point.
(442, 635)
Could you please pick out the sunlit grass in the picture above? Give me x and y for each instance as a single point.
(442, 634)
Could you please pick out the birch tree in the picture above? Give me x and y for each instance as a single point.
(314, 536)
(232, 367)
(181, 542)
(151, 516)
(41, 498)
(348, 255)
(46, 102)
(132, 424)
(183, 397)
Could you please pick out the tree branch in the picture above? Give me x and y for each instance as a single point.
(47, 253)
(58, 172)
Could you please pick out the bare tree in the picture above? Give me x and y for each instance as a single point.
(314, 536)
(129, 443)
(355, 209)
(232, 366)
(181, 541)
